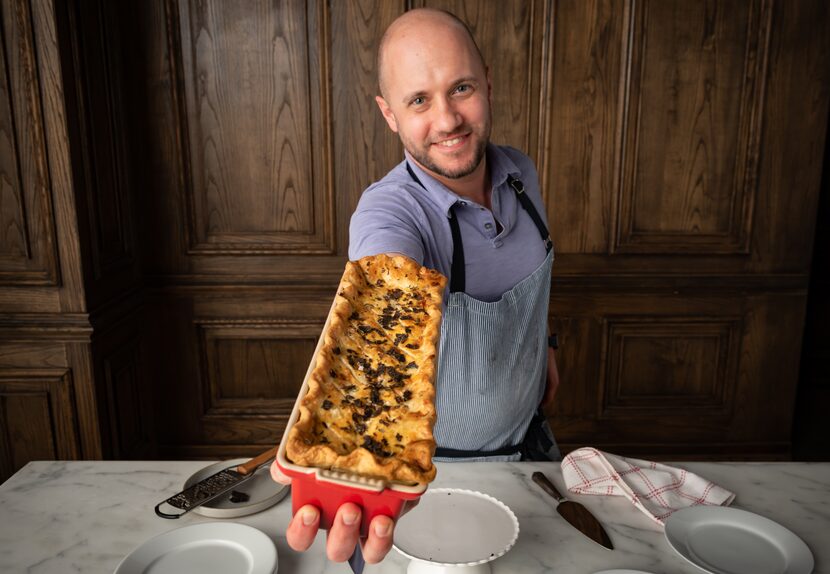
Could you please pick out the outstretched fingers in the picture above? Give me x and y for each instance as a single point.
(303, 528)
(344, 533)
(379, 542)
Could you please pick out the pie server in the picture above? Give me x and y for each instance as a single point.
(574, 513)
(213, 486)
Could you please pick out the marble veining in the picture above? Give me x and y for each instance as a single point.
(86, 516)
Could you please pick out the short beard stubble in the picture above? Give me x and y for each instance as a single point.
(424, 160)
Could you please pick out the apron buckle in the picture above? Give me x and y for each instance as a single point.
(517, 185)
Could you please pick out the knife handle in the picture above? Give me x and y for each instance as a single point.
(547, 486)
(253, 464)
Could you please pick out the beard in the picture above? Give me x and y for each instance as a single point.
(421, 155)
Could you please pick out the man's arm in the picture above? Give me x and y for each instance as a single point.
(382, 224)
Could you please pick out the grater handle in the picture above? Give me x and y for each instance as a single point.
(167, 515)
(248, 467)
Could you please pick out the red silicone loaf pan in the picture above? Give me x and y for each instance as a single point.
(329, 489)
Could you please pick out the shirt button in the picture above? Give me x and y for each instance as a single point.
(488, 226)
(464, 203)
(497, 243)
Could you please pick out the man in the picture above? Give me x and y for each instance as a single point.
(472, 211)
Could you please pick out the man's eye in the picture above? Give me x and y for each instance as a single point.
(463, 88)
(417, 101)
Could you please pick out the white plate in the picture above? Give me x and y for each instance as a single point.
(732, 541)
(452, 527)
(261, 489)
(208, 548)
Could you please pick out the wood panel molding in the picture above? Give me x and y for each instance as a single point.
(45, 326)
(254, 126)
(693, 97)
(37, 417)
(676, 367)
(28, 254)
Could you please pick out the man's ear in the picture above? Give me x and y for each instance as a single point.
(387, 113)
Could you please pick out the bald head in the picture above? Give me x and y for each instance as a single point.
(411, 30)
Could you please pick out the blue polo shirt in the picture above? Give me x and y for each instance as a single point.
(397, 215)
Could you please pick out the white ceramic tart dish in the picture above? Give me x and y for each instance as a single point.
(207, 548)
(431, 532)
(724, 540)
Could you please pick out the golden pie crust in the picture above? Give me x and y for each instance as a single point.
(370, 405)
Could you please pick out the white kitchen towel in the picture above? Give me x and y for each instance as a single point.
(656, 489)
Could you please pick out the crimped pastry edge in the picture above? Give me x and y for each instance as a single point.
(414, 464)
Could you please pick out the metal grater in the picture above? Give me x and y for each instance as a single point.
(203, 491)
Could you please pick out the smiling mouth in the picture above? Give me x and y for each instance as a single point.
(451, 142)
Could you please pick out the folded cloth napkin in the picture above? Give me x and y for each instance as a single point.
(656, 489)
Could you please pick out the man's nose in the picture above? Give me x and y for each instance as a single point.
(447, 118)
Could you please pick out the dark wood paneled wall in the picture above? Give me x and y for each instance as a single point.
(175, 211)
(71, 348)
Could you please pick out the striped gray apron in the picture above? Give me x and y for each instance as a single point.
(492, 363)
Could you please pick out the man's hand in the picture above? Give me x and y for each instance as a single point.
(344, 533)
(552, 381)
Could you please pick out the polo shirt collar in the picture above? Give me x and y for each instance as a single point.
(499, 164)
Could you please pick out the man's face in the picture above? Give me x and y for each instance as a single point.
(438, 99)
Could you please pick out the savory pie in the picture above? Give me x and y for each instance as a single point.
(370, 405)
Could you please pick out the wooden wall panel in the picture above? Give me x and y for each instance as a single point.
(255, 369)
(28, 253)
(242, 354)
(693, 122)
(586, 50)
(122, 369)
(48, 391)
(365, 148)
(658, 129)
(131, 423)
(624, 394)
(37, 418)
(664, 366)
(257, 125)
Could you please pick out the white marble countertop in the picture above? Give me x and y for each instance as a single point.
(86, 516)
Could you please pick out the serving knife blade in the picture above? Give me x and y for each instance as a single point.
(574, 513)
(356, 561)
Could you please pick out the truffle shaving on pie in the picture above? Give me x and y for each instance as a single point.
(370, 405)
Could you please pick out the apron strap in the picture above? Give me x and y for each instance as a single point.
(519, 188)
(457, 271)
(455, 453)
(535, 445)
